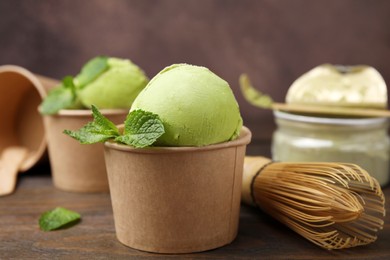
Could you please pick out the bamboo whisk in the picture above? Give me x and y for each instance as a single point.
(333, 205)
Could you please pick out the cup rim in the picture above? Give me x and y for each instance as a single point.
(88, 112)
(243, 139)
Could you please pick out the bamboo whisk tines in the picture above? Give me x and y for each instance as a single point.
(334, 205)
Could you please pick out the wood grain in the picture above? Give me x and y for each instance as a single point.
(259, 236)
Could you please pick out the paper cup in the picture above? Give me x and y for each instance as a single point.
(21, 124)
(176, 199)
(74, 166)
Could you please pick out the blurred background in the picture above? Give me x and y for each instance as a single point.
(274, 41)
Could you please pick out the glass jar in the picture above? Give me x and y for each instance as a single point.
(362, 141)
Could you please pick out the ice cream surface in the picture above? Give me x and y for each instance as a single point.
(356, 86)
(196, 106)
(116, 87)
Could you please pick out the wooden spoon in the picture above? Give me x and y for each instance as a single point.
(11, 160)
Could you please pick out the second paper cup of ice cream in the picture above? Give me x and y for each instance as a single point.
(76, 167)
(109, 83)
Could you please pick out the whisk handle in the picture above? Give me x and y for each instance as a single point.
(252, 165)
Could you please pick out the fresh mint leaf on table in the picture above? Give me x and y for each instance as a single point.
(57, 218)
(142, 129)
(92, 70)
(59, 98)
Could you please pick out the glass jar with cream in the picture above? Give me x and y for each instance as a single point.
(363, 141)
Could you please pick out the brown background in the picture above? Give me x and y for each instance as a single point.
(274, 41)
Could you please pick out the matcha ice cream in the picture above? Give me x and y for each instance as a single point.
(196, 106)
(103, 81)
(117, 87)
(344, 86)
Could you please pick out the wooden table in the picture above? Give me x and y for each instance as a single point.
(259, 236)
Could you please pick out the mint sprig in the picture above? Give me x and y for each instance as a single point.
(100, 130)
(65, 95)
(59, 98)
(57, 218)
(252, 95)
(142, 129)
(91, 70)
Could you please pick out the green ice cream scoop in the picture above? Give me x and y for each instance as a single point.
(341, 86)
(196, 106)
(116, 87)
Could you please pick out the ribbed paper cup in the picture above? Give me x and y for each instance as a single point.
(176, 199)
(76, 167)
(21, 124)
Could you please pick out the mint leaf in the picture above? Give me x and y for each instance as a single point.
(65, 95)
(68, 83)
(141, 129)
(100, 130)
(59, 98)
(89, 134)
(57, 218)
(252, 95)
(91, 70)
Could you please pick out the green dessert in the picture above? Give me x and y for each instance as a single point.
(183, 105)
(196, 106)
(103, 81)
(342, 86)
(117, 87)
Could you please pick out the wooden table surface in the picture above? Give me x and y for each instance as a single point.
(259, 236)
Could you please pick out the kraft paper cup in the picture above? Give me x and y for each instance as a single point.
(76, 167)
(176, 199)
(21, 124)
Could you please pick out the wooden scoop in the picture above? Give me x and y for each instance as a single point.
(11, 160)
